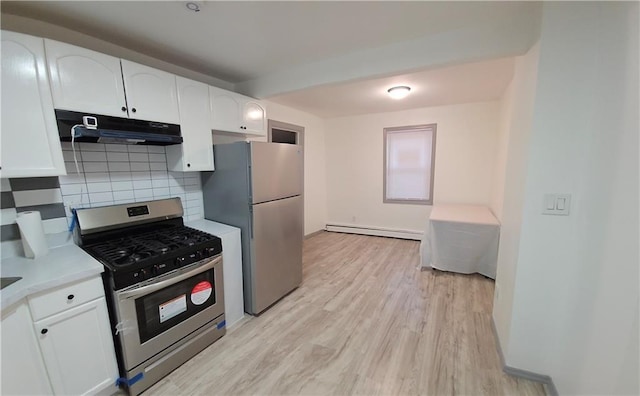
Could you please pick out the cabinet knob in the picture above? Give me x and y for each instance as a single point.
(44, 331)
(188, 165)
(70, 297)
(124, 108)
(133, 109)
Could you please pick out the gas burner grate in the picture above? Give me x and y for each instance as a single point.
(132, 249)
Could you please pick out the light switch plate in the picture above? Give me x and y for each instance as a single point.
(556, 204)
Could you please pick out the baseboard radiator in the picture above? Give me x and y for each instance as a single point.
(375, 231)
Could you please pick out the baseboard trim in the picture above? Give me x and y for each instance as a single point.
(546, 380)
(314, 234)
(375, 231)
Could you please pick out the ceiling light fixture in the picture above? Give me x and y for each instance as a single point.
(193, 6)
(399, 92)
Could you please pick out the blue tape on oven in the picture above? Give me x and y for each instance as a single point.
(131, 381)
(221, 324)
(74, 220)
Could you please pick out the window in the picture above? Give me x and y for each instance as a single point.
(409, 159)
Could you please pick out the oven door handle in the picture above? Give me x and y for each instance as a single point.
(144, 290)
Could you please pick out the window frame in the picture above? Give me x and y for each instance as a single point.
(386, 132)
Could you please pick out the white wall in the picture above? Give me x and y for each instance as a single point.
(575, 305)
(315, 179)
(465, 149)
(509, 183)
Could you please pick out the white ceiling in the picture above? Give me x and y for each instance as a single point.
(330, 58)
(471, 82)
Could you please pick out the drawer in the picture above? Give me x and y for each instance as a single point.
(64, 297)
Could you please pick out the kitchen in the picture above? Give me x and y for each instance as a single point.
(326, 173)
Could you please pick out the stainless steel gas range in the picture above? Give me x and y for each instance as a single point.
(163, 283)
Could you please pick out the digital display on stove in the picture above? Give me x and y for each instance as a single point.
(138, 210)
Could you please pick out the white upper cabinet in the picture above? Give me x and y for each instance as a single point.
(225, 110)
(30, 145)
(196, 151)
(90, 82)
(254, 118)
(232, 112)
(85, 81)
(151, 93)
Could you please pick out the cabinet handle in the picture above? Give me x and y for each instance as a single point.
(124, 108)
(44, 331)
(133, 109)
(70, 297)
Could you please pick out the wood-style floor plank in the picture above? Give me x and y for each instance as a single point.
(365, 321)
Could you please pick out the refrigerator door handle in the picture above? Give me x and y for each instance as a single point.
(251, 221)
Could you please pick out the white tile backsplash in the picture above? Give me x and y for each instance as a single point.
(140, 166)
(117, 156)
(94, 156)
(116, 174)
(90, 167)
(138, 157)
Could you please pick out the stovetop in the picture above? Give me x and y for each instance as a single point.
(137, 254)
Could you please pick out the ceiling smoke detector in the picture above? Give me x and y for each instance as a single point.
(193, 6)
(399, 92)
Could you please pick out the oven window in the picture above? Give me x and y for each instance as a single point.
(161, 310)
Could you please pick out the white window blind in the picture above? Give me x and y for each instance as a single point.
(409, 163)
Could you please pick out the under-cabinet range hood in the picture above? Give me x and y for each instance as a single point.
(106, 129)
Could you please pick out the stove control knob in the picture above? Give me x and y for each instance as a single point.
(180, 261)
(154, 269)
(143, 273)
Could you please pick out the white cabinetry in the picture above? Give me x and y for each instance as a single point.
(232, 112)
(196, 152)
(78, 349)
(90, 82)
(85, 81)
(29, 135)
(23, 372)
(151, 93)
(59, 343)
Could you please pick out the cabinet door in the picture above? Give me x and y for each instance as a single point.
(254, 118)
(225, 110)
(29, 135)
(85, 81)
(196, 151)
(151, 93)
(23, 371)
(77, 348)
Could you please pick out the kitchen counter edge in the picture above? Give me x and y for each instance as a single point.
(61, 266)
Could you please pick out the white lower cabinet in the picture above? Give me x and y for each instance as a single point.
(59, 342)
(23, 371)
(78, 349)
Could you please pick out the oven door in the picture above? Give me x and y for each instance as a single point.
(162, 311)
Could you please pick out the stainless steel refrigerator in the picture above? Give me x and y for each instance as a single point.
(257, 187)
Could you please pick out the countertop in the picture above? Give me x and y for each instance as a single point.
(211, 227)
(472, 214)
(63, 265)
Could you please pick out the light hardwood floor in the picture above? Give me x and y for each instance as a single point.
(364, 322)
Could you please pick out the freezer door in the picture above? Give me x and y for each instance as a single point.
(277, 230)
(276, 171)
